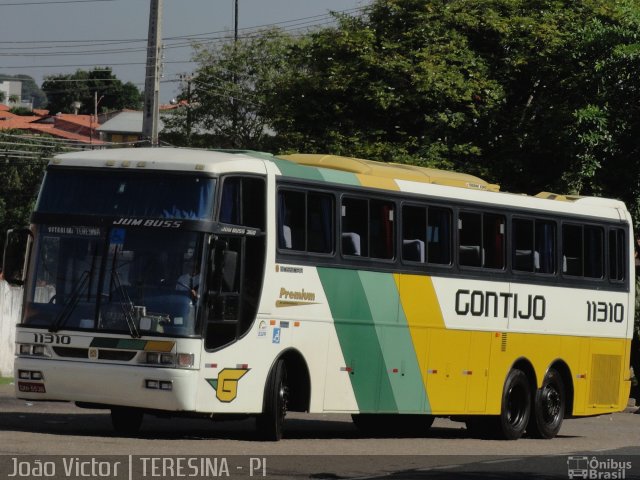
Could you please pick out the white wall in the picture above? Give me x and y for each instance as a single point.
(10, 306)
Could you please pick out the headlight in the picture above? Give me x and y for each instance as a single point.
(180, 360)
(37, 350)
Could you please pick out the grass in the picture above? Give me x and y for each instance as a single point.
(5, 380)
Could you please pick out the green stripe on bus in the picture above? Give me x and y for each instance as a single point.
(122, 343)
(336, 176)
(358, 339)
(401, 365)
(290, 169)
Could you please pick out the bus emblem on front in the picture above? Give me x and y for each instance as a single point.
(226, 385)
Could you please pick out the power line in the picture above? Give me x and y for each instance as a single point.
(52, 2)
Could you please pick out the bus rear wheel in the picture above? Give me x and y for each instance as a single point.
(548, 408)
(270, 423)
(126, 421)
(516, 407)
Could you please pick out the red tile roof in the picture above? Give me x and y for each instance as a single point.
(32, 124)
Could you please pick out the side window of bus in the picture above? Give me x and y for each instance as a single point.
(243, 202)
(593, 252)
(414, 233)
(367, 228)
(426, 235)
(533, 246)
(616, 254)
(572, 250)
(305, 221)
(481, 240)
(439, 236)
(583, 251)
(355, 227)
(381, 231)
(470, 237)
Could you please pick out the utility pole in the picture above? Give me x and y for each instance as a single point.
(187, 79)
(151, 115)
(234, 116)
(235, 29)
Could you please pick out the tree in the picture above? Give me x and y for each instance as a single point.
(63, 90)
(395, 84)
(226, 100)
(22, 166)
(535, 95)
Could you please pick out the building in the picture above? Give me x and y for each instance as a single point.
(79, 129)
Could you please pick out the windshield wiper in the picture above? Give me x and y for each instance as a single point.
(126, 305)
(70, 306)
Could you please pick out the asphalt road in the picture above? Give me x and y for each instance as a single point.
(314, 447)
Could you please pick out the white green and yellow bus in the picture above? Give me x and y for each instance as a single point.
(221, 284)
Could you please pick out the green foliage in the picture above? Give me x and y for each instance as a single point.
(21, 111)
(22, 164)
(226, 99)
(63, 90)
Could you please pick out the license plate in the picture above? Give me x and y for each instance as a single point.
(29, 387)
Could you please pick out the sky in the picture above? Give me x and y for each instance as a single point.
(50, 37)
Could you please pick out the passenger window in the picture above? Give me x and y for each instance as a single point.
(545, 252)
(355, 219)
(414, 233)
(572, 250)
(305, 221)
(481, 240)
(240, 195)
(617, 255)
(533, 246)
(522, 256)
(593, 252)
(381, 217)
(470, 232)
(291, 221)
(439, 236)
(493, 229)
(320, 223)
(583, 251)
(367, 228)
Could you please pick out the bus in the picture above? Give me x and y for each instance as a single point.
(226, 284)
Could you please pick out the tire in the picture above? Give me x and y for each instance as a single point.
(270, 424)
(548, 407)
(392, 424)
(516, 408)
(126, 421)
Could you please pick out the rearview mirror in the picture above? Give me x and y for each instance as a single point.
(16, 256)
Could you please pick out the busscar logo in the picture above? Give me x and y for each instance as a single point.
(141, 222)
(581, 466)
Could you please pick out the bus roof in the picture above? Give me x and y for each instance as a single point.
(394, 171)
(318, 167)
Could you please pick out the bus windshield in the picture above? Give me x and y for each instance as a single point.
(134, 281)
(143, 194)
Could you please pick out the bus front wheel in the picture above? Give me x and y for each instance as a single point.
(548, 408)
(126, 421)
(270, 423)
